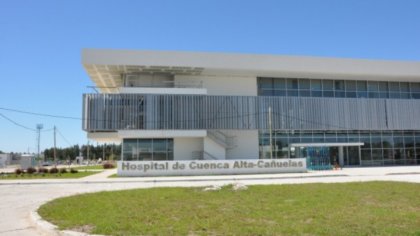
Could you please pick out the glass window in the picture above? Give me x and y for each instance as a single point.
(394, 95)
(404, 87)
(170, 145)
(170, 156)
(281, 143)
(351, 94)
(394, 86)
(279, 93)
(376, 141)
(415, 95)
(365, 138)
(409, 142)
(304, 93)
(383, 86)
(366, 155)
(304, 84)
(339, 85)
(327, 85)
(410, 154)
(339, 94)
(279, 83)
(383, 95)
(328, 94)
(415, 87)
(266, 92)
(373, 86)
(398, 142)
(130, 149)
(350, 85)
(292, 93)
(159, 145)
(388, 154)
(362, 94)
(373, 95)
(316, 85)
(377, 154)
(405, 95)
(292, 83)
(361, 86)
(387, 141)
(265, 83)
(316, 94)
(148, 149)
(145, 145)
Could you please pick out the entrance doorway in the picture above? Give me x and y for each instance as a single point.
(321, 156)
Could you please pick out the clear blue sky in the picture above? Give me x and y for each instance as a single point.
(41, 41)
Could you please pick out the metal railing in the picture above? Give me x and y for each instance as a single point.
(166, 84)
(203, 155)
(219, 137)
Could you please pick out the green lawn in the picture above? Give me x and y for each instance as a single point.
(373, 208)
(80, 174)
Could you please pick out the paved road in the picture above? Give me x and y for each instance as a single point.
(19, 198)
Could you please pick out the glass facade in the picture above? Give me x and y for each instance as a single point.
(148, 149)
(289, 87)
(380, 147)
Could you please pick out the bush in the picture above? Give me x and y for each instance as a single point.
(63, 170)
(18, 171)
(108, 165)
(30, 170)
(73, 171)
(53, 170)
(42, 170)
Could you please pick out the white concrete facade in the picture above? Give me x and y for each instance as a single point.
(220, 74)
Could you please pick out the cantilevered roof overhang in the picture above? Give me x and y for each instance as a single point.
(105, 66)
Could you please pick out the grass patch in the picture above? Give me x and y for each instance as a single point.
(371, 208)
(114, 176)
(80, 174)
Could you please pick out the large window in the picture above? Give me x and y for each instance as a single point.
(380, 147)
(337, 88)
(148, 149)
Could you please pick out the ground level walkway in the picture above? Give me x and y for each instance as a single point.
(20, 197)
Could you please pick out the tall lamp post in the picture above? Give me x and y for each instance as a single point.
(38, 130)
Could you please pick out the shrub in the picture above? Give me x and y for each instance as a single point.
(42, 170)
(73, 171)
(30, 170)
(18, 171)
(53, 170)
(108, 165)
(63, 170)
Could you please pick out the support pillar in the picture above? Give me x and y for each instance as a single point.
(340, 156)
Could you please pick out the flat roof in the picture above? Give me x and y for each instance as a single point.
(105, 66)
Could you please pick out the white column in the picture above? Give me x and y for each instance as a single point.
(340, 156)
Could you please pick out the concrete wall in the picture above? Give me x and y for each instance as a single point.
(223, 85)
(246, 144)
(214, 149)
(183, 147)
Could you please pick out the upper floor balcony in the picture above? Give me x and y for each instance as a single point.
(159, 84)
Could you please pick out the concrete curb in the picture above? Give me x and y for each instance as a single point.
(173, 180)
(46, 228)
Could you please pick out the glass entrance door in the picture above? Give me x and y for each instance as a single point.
(351, 156)
(318, 158)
